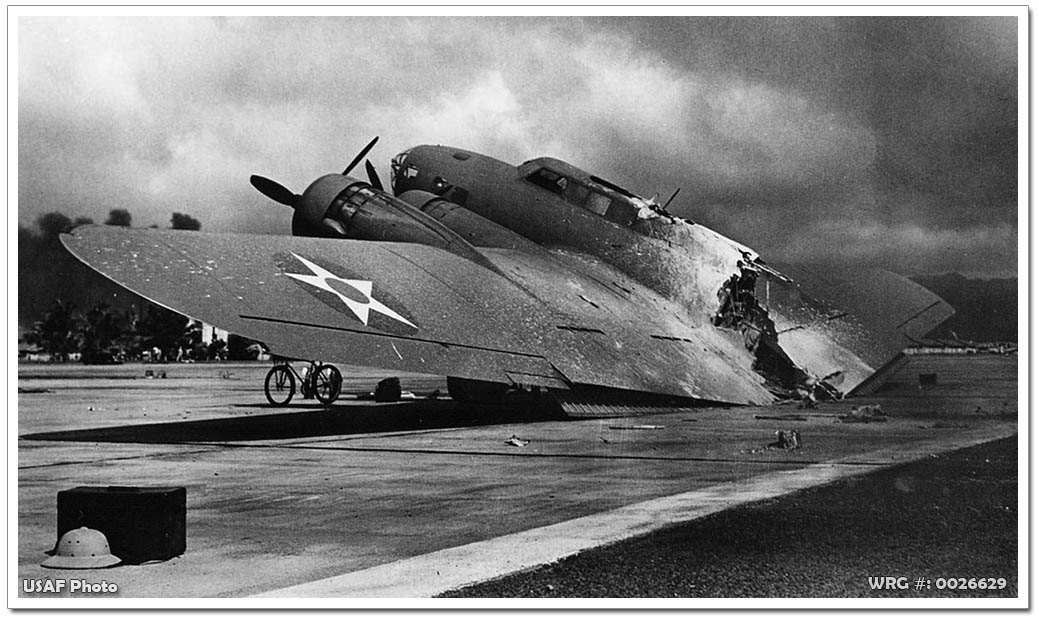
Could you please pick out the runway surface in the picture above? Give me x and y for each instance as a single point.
(300, 501)
(951, 515)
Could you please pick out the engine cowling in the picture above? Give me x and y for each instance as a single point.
(342, 207)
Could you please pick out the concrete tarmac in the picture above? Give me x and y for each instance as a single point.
(343, 501)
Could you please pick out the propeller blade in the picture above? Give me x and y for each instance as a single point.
(361, 155)
(373, 176)
(275, 191)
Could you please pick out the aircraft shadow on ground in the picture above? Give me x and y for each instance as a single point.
(317, 422)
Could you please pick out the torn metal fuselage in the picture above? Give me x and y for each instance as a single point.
(739, 310)
(561, 208)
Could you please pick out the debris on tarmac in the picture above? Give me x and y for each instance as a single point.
(806, 399)
(864, 415)
(786, 440)
(516, 441)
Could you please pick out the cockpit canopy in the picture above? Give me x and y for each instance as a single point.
(589, 192)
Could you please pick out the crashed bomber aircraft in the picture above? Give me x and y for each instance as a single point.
(536, 275)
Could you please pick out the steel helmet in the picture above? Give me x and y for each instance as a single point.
(82, 548)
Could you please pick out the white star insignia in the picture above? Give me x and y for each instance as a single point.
(325, 280)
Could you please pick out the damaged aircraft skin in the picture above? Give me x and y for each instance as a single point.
(540, 275)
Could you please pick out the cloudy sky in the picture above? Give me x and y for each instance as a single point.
(888, 142)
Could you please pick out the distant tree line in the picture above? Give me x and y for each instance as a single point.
(51, 225)
(150, 333)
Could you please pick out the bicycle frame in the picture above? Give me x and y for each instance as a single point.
(306, 379)
(321, 381)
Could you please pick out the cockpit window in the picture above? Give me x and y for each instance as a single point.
(613, 208)
(575, 193)
(600, 197)
(546, 179)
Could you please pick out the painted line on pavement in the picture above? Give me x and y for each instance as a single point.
(449, 569)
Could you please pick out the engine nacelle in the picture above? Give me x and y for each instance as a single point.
(343, 207)
(474, 228)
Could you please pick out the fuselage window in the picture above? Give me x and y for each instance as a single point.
(546, 179)
(597, 203)
(613, 208)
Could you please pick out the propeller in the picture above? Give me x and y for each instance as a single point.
(309, 217)
(360, 156)
(373, 176)
(279, 193)
(275, 191)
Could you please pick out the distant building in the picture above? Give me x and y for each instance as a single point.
(212, 332)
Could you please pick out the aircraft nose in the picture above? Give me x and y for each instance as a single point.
(400, 172)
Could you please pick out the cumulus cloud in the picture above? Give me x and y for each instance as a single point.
(903, 127)
(487, 116)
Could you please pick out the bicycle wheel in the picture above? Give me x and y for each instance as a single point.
(327, 383)
(279, 386)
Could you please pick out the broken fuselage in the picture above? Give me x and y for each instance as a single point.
(714, 282)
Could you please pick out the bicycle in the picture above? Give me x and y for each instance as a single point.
(321, 381)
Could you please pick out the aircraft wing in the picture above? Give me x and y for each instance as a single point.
(412, 307)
